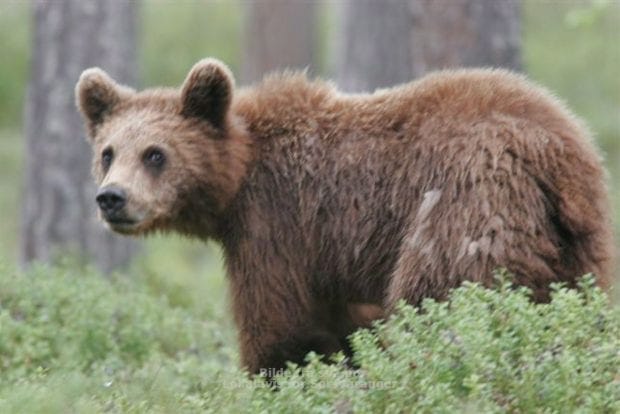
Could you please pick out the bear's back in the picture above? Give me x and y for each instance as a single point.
(290, 105)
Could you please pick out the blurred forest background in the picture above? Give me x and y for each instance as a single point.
(570, 46)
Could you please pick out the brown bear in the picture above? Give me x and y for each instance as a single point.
(330, 207)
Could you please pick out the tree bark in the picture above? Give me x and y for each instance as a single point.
(383, 43)
(453, 33)
(59, 214)
(373, 49)
(279, 34)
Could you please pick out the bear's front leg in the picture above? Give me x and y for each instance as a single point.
(277, 321)
(268, 356)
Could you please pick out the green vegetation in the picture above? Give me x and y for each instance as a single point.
(72, 341)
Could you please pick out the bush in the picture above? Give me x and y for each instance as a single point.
(73, 339)
(81, 343)
(482, 351)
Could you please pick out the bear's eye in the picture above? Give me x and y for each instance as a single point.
(106, 158)
(154, 158)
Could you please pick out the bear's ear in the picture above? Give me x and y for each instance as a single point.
(207, 92)
(97, 94)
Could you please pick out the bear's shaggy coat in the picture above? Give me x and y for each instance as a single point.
(331, 207)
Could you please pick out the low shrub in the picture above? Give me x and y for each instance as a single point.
(72, 341)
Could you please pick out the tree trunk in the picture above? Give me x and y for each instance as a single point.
(383, 43)
(279, 34)
(372, 46)
(59, 209)
(453, 33)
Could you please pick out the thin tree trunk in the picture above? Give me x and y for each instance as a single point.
(383, 43)
(279, 34)
(59, 210)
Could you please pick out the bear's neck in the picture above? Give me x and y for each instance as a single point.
(262, 115)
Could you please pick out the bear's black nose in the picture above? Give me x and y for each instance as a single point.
(111, 199)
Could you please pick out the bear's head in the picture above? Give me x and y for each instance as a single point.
(164, 159)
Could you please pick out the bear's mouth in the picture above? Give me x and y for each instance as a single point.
(122, 225)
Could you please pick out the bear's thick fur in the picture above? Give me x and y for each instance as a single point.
(331, 207)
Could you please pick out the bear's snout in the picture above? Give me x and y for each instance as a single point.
(111, 200)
